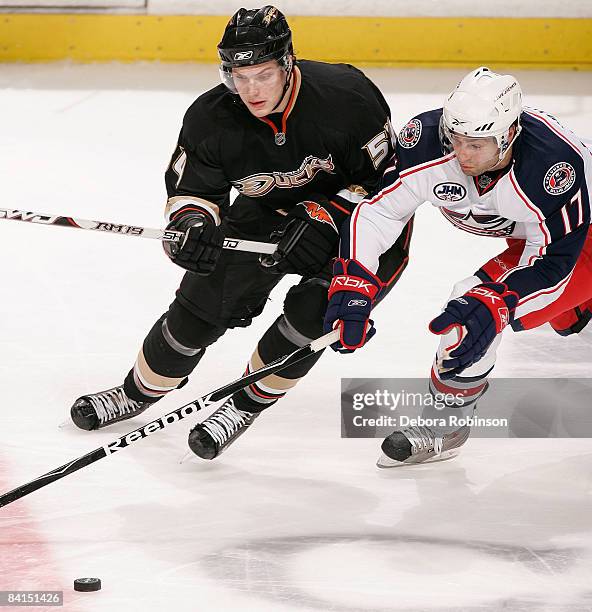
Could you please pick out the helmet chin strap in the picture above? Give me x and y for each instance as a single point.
(499, 162)
(496, 162)
(286, 87)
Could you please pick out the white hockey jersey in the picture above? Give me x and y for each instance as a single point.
(542, 197)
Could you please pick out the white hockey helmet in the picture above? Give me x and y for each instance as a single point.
(483, 104)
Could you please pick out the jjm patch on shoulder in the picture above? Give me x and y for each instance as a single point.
(410, 134)
(559, 178)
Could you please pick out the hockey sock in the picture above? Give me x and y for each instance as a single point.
(162, 365)
(455, 399)
(280, 339)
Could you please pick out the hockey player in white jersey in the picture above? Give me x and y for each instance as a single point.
(493, 168)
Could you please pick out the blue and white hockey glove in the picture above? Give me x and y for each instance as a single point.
(352, 293)
(479, 316)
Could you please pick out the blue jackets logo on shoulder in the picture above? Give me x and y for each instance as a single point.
(410, 134)
(450, 192)
(559, 178)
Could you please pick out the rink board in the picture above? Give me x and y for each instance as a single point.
(530, 42)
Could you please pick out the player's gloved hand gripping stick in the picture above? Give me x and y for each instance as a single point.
(352, 294)
(308, 240)
(201, 247)
(166, 235)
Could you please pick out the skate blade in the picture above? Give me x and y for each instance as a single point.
(186, 456)
(386, 462)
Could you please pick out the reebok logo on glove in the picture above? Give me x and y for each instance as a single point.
(486, 293)
(494, 302)
(354, 283)
(351, 295)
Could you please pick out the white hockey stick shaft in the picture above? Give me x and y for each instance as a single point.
(234, 244)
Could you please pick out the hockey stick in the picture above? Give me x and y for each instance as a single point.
(172, 417)
(234, 244)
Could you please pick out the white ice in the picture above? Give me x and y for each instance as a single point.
(293, 517)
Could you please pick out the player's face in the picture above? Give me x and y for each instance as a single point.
(260, 87)
(475, 155)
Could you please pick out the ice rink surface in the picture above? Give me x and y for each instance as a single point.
(292, 518)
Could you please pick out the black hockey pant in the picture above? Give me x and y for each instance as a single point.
(205, 307)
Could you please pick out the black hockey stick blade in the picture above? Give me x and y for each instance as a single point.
(168, 419)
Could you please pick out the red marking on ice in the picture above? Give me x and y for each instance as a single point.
(26, 562)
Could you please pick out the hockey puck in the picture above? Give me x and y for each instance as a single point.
(87, 584)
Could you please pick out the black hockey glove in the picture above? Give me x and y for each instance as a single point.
(307, 242)
(201, 247)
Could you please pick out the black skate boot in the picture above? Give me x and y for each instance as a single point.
(97, 410)
(208, 439)
(421, 445)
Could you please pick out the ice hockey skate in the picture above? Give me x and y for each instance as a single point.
(421, 445)
(208, 439)
(98, 410)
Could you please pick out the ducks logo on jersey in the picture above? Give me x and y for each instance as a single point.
(257, 185)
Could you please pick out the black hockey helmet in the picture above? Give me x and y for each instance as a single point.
(255, 36)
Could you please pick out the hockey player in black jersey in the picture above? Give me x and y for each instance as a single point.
(301, 142)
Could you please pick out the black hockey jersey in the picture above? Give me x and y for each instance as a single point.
(336, 130)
